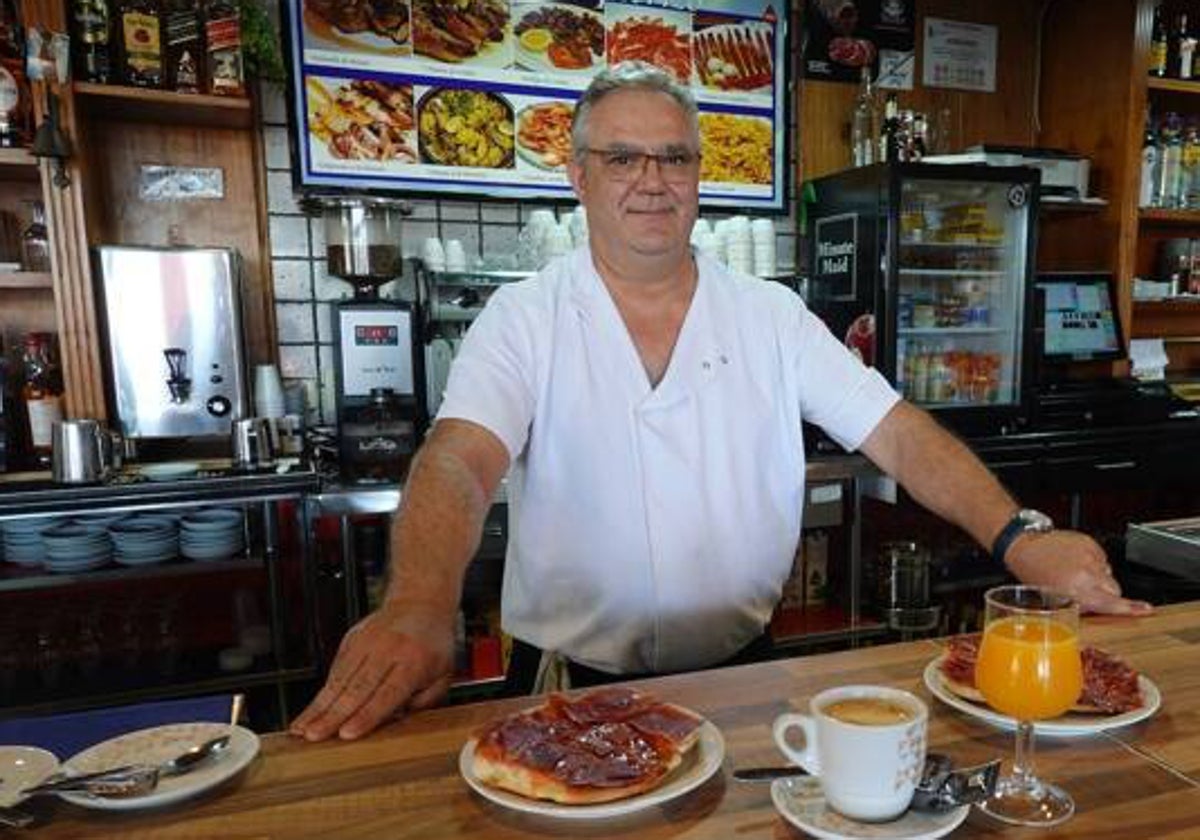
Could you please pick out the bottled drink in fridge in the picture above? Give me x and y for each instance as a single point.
(864, 132)
(1190, 188)
(1184, 49)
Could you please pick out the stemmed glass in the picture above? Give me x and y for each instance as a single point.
(1029, 668)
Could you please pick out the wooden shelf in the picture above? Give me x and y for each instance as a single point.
(18, 164)
(26, 280)
(1169, 217)
(1186, 307)
(163, 106)
(1173, 85)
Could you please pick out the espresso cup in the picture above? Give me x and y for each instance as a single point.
(866, 743)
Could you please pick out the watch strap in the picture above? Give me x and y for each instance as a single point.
(1019, 524)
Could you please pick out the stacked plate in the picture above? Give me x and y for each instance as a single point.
(72, 547)
(23, 540)
(212, 534)
(144, 540)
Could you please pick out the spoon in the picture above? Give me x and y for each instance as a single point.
(132, 779)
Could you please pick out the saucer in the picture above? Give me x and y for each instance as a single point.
(802, 803)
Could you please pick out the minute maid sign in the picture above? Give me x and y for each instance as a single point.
(837, 248)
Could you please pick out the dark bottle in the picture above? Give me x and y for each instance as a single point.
(15, 99)
(1158, 44)
(35, 242)
(223, 45)
(184, 46)
(92, 58)
(140, 29)
(41, 391)
(891, 129)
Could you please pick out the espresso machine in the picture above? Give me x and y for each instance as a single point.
(379, 372)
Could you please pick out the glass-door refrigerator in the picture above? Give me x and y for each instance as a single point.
(925, 271)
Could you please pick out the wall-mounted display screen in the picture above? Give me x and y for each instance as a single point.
(475, 97)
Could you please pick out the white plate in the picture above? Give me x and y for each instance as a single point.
(802, 803)
(159, 744)
(698, 765)
(22, 767)
(1072, 723)
(539, 61)
(170, 471)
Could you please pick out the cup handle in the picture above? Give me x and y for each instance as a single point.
(807, 757)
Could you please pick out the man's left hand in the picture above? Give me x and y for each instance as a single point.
(1074, 564)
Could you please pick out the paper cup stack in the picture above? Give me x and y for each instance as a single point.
(739, 255)
(762, 232)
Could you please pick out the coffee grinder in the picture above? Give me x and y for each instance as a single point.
(379, 374)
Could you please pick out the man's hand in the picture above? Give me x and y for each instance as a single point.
(398, 657)
(1074, 564)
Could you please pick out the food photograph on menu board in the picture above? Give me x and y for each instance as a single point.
(474, 98)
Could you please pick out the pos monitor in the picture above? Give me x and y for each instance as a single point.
(1079, 321)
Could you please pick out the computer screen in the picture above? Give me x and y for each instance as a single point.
(1079, 320)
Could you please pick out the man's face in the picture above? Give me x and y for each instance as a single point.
(646, 206)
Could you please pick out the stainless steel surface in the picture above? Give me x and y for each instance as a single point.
(251, 441)
(81, 452)
(131, 779)
(172, 320)
(1171, 546)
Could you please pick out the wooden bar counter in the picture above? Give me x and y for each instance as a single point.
(1142, 781)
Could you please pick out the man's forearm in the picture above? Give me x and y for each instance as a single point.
(436, 532)
(940, 472)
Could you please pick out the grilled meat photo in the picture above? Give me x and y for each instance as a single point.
(387, 18)
(455, 30)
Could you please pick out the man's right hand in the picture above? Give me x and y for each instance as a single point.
(397, 658)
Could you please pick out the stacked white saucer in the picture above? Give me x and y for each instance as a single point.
(144, 540)
(23, 540)
(72, 547)
(211, 534)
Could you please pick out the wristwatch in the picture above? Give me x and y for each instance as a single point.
(1024, 521)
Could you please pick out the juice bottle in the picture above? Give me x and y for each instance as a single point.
(1029, 667)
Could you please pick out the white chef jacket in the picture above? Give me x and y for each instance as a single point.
(652, 528)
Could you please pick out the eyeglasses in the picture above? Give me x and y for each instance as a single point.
(677, 166)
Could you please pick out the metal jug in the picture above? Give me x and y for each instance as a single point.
(252, 444)
(81, 452)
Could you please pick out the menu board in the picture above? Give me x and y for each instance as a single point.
(475, 97)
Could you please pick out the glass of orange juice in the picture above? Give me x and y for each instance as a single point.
(1029, 668)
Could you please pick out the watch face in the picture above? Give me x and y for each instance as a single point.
(1035, 520)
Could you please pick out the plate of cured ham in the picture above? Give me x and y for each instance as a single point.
(734, 57)
(610, 752)
(1114, 694)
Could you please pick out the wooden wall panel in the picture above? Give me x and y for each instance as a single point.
(229, 222)
(1005, 116)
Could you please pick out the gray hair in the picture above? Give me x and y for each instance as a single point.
(629, 75)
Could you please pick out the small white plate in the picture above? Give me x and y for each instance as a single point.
(698, 765)
(159, 744)
(22, 767)
(1070, 724)
(170, 471)
(802, 803)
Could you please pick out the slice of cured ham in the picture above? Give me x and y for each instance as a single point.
(609, 744)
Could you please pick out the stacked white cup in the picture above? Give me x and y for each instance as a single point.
(531, 242)
(579, 227)
(738, 253)
(762, 232)
(703, 239)
(456, 256)
(557, 241)
(268, 391)
(433, 254)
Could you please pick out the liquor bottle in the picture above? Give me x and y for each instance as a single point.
(184, 46)
(41, 391)
(1190, 193)
(92, 59)
(890, 135)
(1151, 161)
(16, 102)
(140, 31)
(1170, 176)
(35, 243)
(920, 129)
(864, 134)
(1158, 44)
(1185, 49)
(223, 39)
